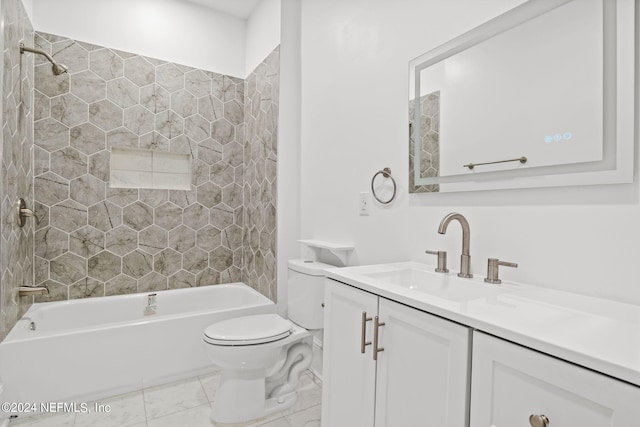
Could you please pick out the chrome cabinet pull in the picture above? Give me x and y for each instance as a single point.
(363, 335)
(376, 327)
(538, 421)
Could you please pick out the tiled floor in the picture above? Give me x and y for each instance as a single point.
(185, 404)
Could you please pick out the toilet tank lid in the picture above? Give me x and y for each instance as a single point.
(310, 267)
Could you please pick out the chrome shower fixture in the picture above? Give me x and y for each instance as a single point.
(56, 68)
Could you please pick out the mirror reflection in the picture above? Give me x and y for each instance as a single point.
(525, 92)
(429, 144)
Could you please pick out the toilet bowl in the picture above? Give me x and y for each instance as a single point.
(262, 356)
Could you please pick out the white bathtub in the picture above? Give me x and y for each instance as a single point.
(83, 350)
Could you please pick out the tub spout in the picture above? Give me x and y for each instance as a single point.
(25, 291)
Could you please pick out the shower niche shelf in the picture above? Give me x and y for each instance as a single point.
(136, 168)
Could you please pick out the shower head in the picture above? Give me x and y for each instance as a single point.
(57, 68)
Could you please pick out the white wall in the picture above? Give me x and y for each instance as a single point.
(288, 147)
(354, 122)
(28, 7)
(263, 33)
(171, 30)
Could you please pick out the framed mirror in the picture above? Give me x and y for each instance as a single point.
(542, 95)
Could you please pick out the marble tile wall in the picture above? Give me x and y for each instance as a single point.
(260, 160)
(16, 177)
(94, 240)
(430, 146)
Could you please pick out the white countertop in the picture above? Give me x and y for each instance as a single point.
(598, 334)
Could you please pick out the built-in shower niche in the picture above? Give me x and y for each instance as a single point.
(149, 169)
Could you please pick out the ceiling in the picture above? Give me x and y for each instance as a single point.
(239, 8)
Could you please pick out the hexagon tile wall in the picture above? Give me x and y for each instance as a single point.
(16, 179)
(94, 240)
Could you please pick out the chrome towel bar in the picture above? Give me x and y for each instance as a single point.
(522, 160)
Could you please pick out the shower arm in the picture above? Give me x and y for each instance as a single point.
(24, 49)
(56, 68)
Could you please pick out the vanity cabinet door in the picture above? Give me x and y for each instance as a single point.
(348, 391)
(423, 370)
(511, 383)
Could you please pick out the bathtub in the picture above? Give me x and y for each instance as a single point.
(83, 350)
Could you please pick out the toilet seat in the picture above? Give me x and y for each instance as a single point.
(248, 330)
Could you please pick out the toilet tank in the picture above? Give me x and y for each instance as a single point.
(306, 292)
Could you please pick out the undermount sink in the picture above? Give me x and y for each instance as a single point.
(445, 286)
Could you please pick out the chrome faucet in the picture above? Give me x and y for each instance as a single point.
(26, 291)
(465, 258)
(24, 213)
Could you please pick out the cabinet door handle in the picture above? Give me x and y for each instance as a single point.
(376, 326)
(363, 335)
(538, 421)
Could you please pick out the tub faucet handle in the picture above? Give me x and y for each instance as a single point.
(24, 213)
(493, 265)
(442, 260)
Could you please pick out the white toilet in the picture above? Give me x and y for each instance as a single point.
(262, 356)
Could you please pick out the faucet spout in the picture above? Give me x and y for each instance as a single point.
(465, 257)
(25, 291)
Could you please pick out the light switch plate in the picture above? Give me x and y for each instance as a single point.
(365, 201)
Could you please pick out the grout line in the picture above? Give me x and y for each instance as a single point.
(144, 406)
(204, 390)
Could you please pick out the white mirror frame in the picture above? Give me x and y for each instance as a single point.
(619, 117)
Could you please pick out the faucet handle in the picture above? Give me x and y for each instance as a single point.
(442, 260)
(23, 213)
(492, 269)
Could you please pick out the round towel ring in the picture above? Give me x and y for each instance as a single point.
(386, 172)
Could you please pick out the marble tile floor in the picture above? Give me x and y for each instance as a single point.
(181, 404)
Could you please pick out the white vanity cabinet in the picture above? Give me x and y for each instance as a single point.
(420, 377)
(511, 383)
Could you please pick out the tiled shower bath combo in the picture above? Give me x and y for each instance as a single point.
(94, 240)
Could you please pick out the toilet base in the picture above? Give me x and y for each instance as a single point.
(258, 380)
(227, 408)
